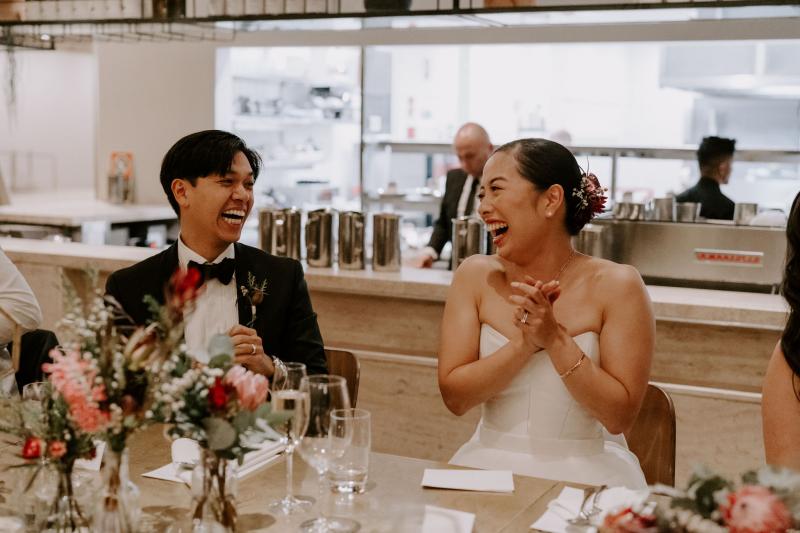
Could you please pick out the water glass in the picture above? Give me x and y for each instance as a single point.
(319, 447)
(348, 473)
(37, 391)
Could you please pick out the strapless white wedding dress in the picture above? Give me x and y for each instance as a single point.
(535, 428)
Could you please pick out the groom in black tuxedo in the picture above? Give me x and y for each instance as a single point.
(208, 178)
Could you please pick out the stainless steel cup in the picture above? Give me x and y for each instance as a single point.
(351, 240)
(386, 242)
(469, 238)
(590, 240)
(664, 209)
(743, 213)
(319, 238)
(687, 211)
(279, 231)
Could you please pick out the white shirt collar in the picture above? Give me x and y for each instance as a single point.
(186, 254)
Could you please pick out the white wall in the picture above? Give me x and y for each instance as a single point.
(53, 119)
(149, 96)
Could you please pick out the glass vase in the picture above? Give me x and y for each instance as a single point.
(118, 509)
(214, 495)
(66, 514)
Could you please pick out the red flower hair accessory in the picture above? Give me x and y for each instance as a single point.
(591, 200)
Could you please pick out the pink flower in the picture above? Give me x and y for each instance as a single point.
(74, 378)
(755, 509)
(57, 449)
(251, 389)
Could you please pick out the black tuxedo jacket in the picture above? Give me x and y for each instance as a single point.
(285, 320)
(443, 227)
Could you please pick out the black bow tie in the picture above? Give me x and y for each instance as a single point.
(223, 271)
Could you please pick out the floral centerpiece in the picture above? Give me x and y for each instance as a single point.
(55, 433)
(763, 501)
(107, 374)
(222, 407)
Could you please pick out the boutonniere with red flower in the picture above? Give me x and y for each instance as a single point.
(255, 292)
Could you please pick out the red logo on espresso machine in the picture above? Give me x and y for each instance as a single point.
(729, 257)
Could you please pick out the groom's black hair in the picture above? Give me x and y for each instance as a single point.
(201, 154)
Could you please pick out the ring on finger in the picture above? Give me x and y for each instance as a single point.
(253, 349)
(524, 319)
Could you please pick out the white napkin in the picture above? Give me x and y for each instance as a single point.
(441, 520)
(188, 451)
(568, 503)
(480, 480)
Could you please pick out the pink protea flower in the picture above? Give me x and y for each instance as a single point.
(74, 378)
(57, 449)
(755, 509)
(251, 389)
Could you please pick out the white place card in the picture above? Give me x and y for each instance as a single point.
(478, 480)
(441, 520)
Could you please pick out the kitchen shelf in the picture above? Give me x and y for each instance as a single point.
(277, 123)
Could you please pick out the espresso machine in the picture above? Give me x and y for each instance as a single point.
(699, 254)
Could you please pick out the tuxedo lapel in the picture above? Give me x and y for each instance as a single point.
(169, 263)
(243, 268)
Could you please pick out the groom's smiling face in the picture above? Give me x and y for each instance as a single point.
(213, 211)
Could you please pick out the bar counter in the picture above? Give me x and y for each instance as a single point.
(712, 349)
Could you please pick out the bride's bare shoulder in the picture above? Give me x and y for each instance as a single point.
(479, 266)
(613, 278)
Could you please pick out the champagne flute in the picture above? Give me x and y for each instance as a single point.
(319, 446)
(288, 399)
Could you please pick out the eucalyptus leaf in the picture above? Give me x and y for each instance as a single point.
(220, 361)
(221, 434)
(263, 410)
(244, 420)
(220, 344)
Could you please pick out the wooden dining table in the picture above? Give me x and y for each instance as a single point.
(394, 501)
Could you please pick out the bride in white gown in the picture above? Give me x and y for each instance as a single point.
(553, 345)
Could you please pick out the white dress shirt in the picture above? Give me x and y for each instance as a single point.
(17, 300)
(215, 311)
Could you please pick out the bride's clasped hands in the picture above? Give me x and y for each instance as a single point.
(534, 318)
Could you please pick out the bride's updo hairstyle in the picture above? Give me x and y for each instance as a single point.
(790, 289)
(546, 163)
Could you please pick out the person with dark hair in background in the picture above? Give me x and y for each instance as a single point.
(715, 157)
(780, 403)
(555, 345)
(208, 178)
(473, 148)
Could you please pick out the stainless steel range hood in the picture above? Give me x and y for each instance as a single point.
(763, 70)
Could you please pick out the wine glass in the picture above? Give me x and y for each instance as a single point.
(319, 446)
(288, 399)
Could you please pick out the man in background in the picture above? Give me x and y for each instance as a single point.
(473, 148)
(715, 157)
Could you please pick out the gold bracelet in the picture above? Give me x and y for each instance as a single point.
(574, 367)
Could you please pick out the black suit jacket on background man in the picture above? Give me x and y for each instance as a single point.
(714, 204)
(443, 227)
(285, 320)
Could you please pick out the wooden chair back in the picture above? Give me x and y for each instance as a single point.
(345, 364)
(652, 437)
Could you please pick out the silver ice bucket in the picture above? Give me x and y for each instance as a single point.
(469, 238)
(279, 231)
(351, 240)
(386, 242)
(319, 238)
